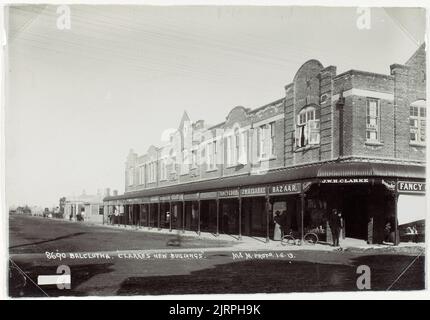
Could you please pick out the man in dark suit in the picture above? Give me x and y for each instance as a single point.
(335, 223)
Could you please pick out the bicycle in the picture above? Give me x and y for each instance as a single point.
(309, 238)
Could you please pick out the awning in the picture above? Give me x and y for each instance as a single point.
(370, 169)
(314, 171)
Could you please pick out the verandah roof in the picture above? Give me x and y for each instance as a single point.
(314, 171)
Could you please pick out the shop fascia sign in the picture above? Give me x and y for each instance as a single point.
(191, 196)
(177, 197)
(253, 191)
(345, 180)
(228, 193)
(208, 195)
(411, 187)
(165, 198)
(154, 199)
(286, 188)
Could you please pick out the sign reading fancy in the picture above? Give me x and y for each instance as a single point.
(411, 187)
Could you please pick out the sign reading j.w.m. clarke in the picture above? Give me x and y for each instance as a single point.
(285, 188)
(411, 187)
(345, 180)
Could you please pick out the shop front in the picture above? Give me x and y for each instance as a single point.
(208, 212)
(285, 208)
(191, 212)
(411, 210)
(377, 202)
(254, 219)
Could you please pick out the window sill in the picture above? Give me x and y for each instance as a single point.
(212, 170)
(307, 147)
(374, 143)
(271, 157)
(417, 144)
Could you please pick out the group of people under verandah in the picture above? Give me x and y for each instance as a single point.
(335, 222)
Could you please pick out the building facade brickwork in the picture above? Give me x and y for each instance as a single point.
(374, 124)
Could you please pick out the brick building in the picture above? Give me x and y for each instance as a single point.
(354, 142)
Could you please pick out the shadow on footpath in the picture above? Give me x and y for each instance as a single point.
(275, 276)
(49, 240)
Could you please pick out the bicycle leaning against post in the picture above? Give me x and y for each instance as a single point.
(291, 239)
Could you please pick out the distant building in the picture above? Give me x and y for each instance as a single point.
(85, 207)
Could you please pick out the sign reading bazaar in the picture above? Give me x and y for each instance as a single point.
(285, 188)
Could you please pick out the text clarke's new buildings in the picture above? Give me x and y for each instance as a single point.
(353, 141)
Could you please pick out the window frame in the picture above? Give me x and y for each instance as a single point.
(373, 128)
(307, 125)
(418, 114)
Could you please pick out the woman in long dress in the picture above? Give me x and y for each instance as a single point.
(277, 233)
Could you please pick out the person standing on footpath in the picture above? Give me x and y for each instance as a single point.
(335, 223)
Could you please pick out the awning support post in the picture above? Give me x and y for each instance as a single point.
(217, 216)
(396, 221)
(170, 216)
(159, 216)
(149, 216)
(267, 218)
(302, 214)
(183, 216)
(198, 225)
(240, 217)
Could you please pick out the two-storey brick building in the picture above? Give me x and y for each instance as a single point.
(353, 141)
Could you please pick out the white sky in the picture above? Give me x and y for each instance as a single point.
(79, 99)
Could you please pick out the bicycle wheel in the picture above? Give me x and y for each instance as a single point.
(310, 238)
(288, 240)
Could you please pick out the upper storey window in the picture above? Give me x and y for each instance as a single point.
(211, 152)
(417, 122)
(308, 127)
(266, 141)
(131, 176)
(373, 116)
(142, 174)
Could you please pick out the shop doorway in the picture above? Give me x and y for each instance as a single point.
(208, 216)
(254, 220)
(177, 216)
(229, 216)
(191, 216)
(353, 202)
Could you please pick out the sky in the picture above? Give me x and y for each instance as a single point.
(79, 99)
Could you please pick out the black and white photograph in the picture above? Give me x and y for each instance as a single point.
(204, 150)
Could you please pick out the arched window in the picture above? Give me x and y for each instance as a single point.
(417, 122)
(307, 128)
